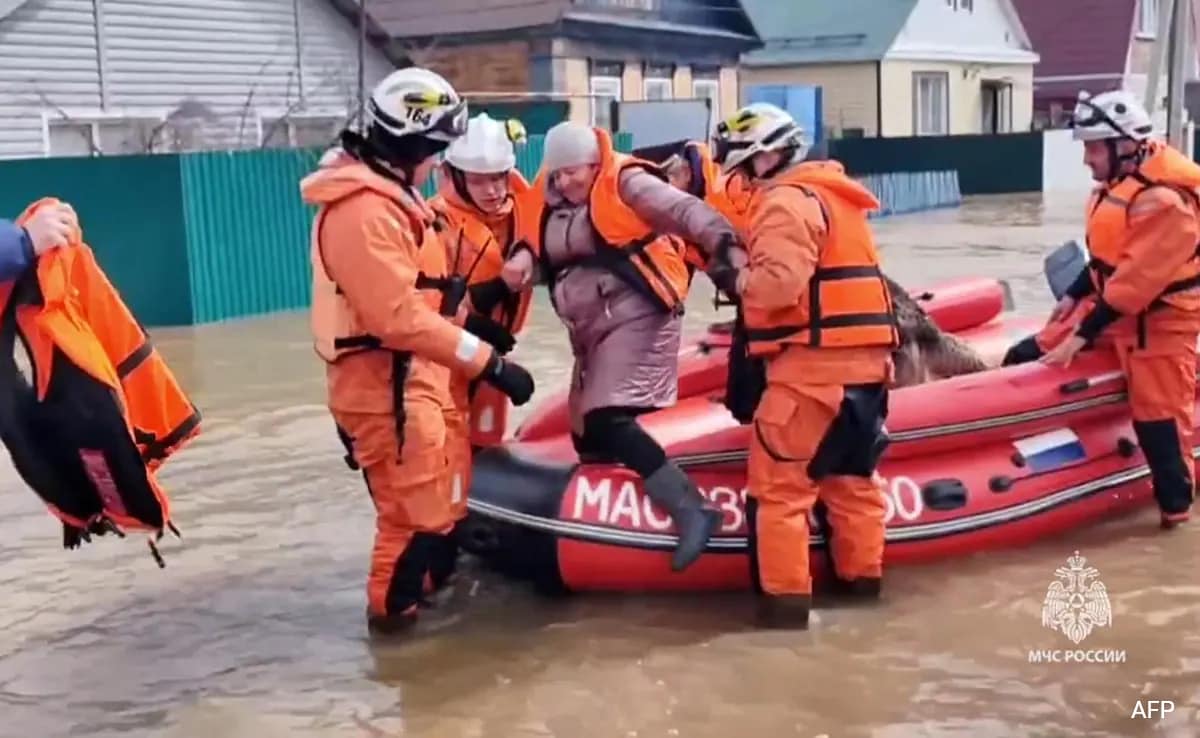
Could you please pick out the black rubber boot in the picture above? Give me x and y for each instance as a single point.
(784, 612)
(860, 589)
(392, 625)
(444, 562)
(696, 519)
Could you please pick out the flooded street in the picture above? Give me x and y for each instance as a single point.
(256, 627)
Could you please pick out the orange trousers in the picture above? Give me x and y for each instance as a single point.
(407, 476)
(1161, 381)
(806, 431)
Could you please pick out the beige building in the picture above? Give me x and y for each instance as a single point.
(581, 53)
(896, 68)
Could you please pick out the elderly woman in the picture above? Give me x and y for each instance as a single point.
(608, 233)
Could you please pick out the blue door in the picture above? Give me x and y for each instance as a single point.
(802, 102)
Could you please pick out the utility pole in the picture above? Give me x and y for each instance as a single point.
(1159, 57)
(1177, 74)
(362, 57)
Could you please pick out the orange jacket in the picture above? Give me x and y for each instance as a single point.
(88, 350)
(368, 310)
(1142, 235)
(477, 245)
(651, 262)
(814, 277)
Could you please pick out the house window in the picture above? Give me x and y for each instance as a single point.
(302, 131)
(931, 109)
(605, 87)
(996, 108)
(103, 136)
(656, 88)
(710, 89)
(1147, 18)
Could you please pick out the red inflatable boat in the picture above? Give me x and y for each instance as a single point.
(973, 308)
(1000, 458)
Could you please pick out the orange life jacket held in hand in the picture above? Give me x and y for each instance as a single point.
(95, 411)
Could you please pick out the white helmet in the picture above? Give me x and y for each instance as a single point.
(487, 147)
(417, 101)
(756, 128)
(1115, 114)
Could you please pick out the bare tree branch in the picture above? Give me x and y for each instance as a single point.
(248, 104)
(64, 115)
(283, 119)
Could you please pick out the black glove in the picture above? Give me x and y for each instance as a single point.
(485, 296)
(510, 378)
(721, 270)
(454, 290)
(724, 276)
(490, 331)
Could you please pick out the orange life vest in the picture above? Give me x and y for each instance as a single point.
(102, 411)
(473, 253)
(337, 331)
(847, 303)
(1108, 229)
(712, 189)
(650, 263)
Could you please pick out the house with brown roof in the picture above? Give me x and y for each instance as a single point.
(587, 52)
(1093, 45)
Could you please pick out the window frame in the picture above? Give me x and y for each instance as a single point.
(265, 116)
(944, 79)
(714, 112)
(664, 83)
(595, 93)
(93, 119)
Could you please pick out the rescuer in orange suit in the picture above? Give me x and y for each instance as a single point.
(477, 194)
(1143, 227)
(815, 308)
(379, 278)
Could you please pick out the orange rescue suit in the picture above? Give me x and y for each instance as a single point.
(650, 263)
(477, 246)
(815, 305)
(1143, 232)
(103, 412)
(388, 356)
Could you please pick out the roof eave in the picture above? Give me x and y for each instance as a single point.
(663, 26)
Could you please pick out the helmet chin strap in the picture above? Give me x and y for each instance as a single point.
(787, 155)
(1117, 161)
(460, 185)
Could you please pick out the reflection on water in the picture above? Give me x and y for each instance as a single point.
(255, 628)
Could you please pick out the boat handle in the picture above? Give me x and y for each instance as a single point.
(1087, 383)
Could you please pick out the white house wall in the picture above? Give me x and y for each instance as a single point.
(989, 33)
(226, 61)
(36, 74)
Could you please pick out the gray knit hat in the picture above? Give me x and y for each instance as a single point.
(570, 144)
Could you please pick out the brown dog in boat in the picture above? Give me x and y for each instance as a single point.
(926, 352)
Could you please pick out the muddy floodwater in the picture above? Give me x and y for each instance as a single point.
(256, 627)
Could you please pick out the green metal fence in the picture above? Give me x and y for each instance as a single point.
(196, 238)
